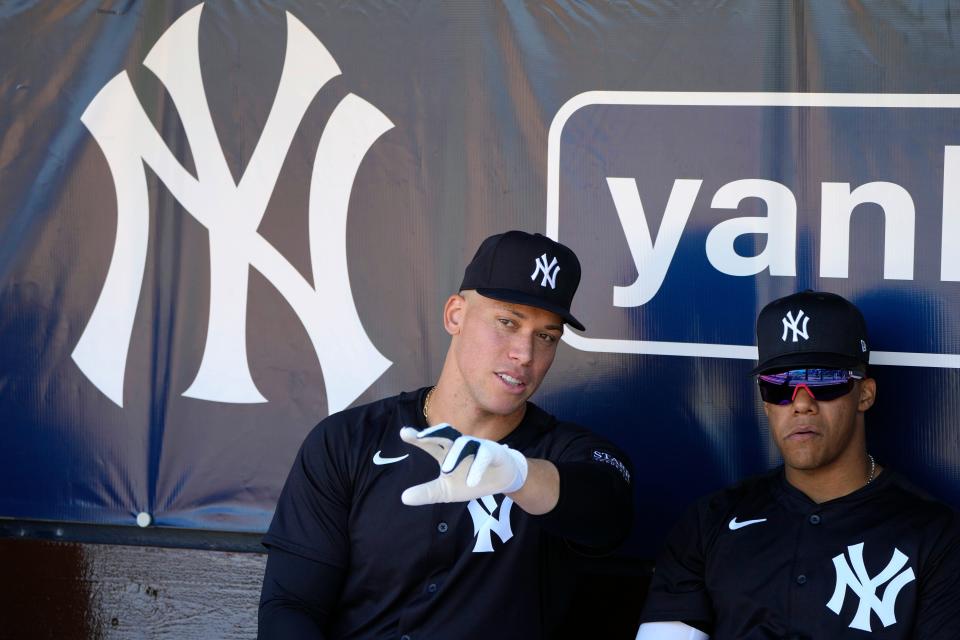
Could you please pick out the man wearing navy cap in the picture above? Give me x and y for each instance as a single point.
(453, 511)
(829, 546)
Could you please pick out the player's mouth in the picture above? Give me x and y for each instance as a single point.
(512, 383)
(803, 434)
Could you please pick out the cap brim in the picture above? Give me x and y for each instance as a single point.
(509, 295)
(809, 360)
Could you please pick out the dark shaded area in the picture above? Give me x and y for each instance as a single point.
(609, 596)
(105, 591)
(46, 591)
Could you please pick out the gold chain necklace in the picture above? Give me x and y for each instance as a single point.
(873, 464)
(426, 404)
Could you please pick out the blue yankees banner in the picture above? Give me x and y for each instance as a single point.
(222, 222)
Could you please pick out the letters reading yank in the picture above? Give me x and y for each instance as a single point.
(231, 213)
(549, 271)
(793, 324)
(484, 522)
(859, 581)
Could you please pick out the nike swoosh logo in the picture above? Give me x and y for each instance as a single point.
(734, 525)
(380, 460)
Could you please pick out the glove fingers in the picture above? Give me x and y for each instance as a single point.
(480, 464)
(435, 440)
(409, 435)
(449, 487)
(456, 480)
(442, 430)
(439, 448)
(426, 493)
(464, 446)
(470, 467)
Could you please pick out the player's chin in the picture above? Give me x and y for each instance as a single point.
(506, 404)
(802, 460)
(797, 453)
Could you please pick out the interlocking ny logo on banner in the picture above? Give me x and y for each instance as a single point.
(231, 212)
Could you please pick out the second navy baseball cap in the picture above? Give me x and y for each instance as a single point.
(526, 268)
(811, 329)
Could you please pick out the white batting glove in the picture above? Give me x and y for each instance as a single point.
(469, 467)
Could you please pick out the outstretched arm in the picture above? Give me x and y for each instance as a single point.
(541, 492)
(585, 498)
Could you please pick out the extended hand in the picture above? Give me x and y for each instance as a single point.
(469, 467)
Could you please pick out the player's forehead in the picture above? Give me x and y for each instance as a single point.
(535, 315)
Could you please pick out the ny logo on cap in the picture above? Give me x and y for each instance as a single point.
(793, 324)
(549, 271)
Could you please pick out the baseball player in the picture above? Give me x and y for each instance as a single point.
(829, 546)
(454, 511)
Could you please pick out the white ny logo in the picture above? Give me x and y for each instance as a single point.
(484, 522)
(792, 324)
(231, 212)
(549, 271)
(860, 582)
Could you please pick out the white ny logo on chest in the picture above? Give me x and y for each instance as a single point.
(484, 522)
(859, 581)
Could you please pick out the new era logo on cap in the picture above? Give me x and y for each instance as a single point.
(501, 269)
(811, 329)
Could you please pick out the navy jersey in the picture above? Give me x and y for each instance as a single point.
(480, 569)
(762, 560)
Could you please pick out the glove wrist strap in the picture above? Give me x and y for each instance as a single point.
(522, 468)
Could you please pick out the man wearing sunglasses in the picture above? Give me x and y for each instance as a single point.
(829, 546)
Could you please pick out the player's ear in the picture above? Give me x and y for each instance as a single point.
(868, 394)
(453, 312)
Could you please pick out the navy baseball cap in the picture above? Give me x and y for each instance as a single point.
(811, 329)
(528, 269)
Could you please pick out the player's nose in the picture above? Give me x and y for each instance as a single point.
(803, 399)
(521, 348)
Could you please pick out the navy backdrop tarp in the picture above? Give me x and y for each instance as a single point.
(220, 222)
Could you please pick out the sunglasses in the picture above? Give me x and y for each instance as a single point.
(822, 384)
